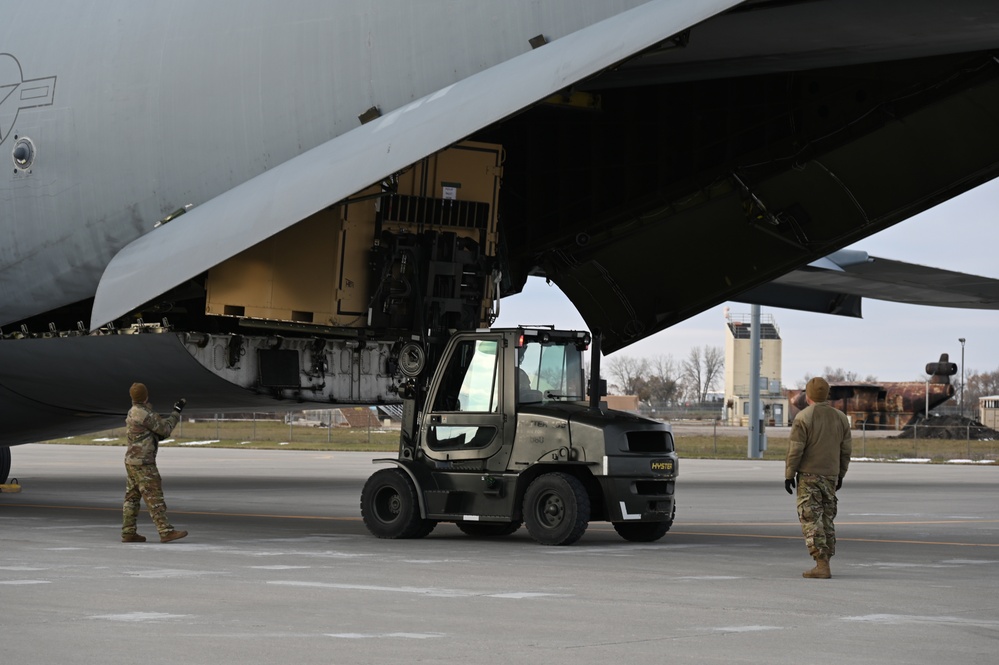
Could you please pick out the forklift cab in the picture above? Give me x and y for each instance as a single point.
(486, 378)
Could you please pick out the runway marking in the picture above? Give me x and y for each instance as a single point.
(368, 636)
(915, 542)
(138, 617)
(838, 539)
(434, 561)
(958, 520)
(168, 573)
(744, 629)
(606, 526)
(900, 619)
(968, 562)
(117, 509)
(702, 578)
(280, 567)
(424, 591)
(24, 582)
(21, 569)
(894, 565)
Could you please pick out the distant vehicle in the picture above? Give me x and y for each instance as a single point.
(888, 405)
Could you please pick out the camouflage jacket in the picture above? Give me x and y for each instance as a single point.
(144, 429)
(820, 443)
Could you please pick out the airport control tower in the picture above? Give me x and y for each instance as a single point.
(737, 370)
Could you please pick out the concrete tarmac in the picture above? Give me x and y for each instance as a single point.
(280, 569)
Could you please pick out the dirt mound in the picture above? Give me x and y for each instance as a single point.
(948, 427)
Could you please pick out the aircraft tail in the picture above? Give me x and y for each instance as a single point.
(942, 370)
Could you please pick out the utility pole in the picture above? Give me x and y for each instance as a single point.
(961, 340)
(757, 440)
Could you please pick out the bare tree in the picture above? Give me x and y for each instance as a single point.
(628, 374)
(839, 375)
(976, 385)
(714, 366)
(701, 370)
(663, 381)
(691, 372)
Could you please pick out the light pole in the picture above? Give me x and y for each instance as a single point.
(961, 340)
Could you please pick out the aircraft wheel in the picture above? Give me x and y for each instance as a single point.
(488, 529)
(556, 509)
(389, 506)
(4, 463)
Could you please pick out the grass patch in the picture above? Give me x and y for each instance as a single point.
(937, 450)
(271, 435)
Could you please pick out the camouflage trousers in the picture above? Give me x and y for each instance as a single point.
(144, 481)
(816, 511)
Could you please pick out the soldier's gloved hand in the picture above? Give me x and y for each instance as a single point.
(179, 406)
(839, 483)
(789, 485)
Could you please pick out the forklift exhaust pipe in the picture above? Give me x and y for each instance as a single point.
(597, 387)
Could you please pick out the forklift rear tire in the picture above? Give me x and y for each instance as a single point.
(488, 529)
(389, 506)
(556, 509)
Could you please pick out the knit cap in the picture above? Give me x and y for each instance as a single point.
(817, 389)
(139, 393)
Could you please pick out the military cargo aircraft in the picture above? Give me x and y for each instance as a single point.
(299, 200)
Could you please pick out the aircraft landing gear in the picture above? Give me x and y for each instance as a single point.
(4, 463)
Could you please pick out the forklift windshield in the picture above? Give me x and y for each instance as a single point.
(551, 370)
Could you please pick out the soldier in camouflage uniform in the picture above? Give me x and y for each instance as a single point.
(817, 458)
(144, 429)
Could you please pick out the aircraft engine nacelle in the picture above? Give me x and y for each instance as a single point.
(941, 370)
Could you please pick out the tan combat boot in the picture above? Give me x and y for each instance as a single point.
(821, 570)
(172, 535)
(133, 538)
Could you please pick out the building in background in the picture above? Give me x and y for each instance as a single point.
(737, 370)
(628, 403)
(988, 411)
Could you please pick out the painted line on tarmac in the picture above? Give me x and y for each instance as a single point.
(191, 512)
(842, 523)
(438, 592)
(597, 527)
(838, 539)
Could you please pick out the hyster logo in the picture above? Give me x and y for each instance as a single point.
(662, 465)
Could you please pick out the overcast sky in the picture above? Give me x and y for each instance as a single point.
(893, 342)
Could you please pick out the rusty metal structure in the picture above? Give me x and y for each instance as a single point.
(887, 405)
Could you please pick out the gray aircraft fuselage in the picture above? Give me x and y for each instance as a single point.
(652, 158)
(137, 109)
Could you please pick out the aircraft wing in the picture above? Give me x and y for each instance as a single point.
(837, 284)
(277, 199)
